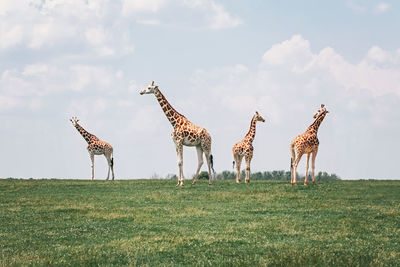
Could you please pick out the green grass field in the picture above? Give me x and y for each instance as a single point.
(154, 223)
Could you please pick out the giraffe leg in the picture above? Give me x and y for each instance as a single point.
(314, 155)
(108, 158)
(180, 164)
(296, 162)
(92, 159)
(238, 163)
(291, 172)
(292, 160)
(306, 178)
(199, 163)
(248, 160)
(210, 173)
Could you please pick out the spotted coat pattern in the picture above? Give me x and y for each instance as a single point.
(307, 143)
(96, 147)
(185, 133)
(245, 149)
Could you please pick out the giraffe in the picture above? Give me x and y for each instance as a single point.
(185, 133)
(96, 147)
(307, 143)
(245, 148)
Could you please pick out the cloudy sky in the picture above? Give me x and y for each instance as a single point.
(217, 62)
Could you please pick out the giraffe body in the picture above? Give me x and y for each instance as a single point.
(185, 133)
(307, 143)
(245, 149)
(96, 147)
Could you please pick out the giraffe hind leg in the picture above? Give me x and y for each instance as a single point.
(199, 164)
(295, 164)
(314, 155)
(306, 177)
(92, 160)
(248, 160)
(238, 160)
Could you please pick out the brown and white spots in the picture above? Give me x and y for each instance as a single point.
(245, 149)
(307, 143)
(184, 133)
(96, 147)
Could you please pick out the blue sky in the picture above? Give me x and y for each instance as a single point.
(216, 62)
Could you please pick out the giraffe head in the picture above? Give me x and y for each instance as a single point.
(321, 111)
(74, 121)
(149, 89)
(258, 117)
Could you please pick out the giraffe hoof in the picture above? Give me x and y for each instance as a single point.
(305, 183)
(209, 183)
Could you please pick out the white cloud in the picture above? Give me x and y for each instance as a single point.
(134, 6)
(294, 53)
(148, 21)
(377, 54)
(208, 13)
(381, 8)
(290, 70)
(32, 85)
(10, 36)
(366, 8)
(91, 25)
(221, 19)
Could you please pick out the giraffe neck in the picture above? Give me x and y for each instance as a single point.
(314, 127)
(252, 131)
(85, 134)
(172, 115)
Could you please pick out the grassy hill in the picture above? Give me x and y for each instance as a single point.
(153, 223)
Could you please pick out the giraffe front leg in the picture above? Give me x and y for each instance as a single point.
(248, 160)
(238, 163)
(199, 163)
(314, 155)
(92, 160)
(180, 165)
(306, 177)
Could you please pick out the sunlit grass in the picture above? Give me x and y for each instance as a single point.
(152, 222)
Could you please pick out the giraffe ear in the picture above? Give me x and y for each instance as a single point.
(152, 83)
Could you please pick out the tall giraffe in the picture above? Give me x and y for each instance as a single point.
(307, 143)
(185, 133)
(245, 148)
(96, 147)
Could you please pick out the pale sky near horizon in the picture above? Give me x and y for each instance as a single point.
(217, 62)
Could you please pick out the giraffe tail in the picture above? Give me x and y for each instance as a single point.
(233, 164)
(112, 162)
(212, 162)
